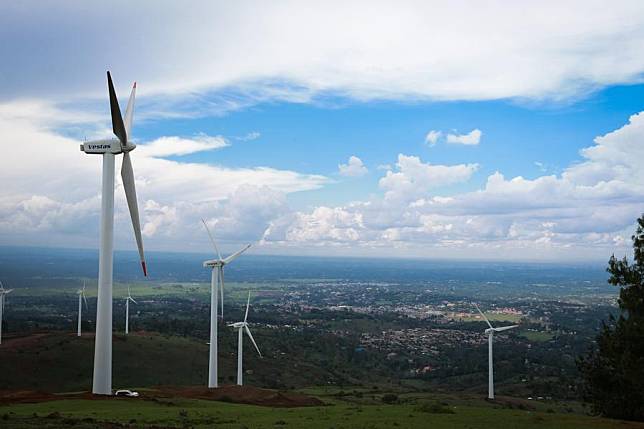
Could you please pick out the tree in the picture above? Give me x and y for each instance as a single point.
(613, 370)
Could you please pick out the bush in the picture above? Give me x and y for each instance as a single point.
(434, 408)
(389, 398)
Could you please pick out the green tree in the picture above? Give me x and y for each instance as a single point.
(613, 371)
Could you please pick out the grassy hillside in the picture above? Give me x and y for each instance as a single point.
(61, 362)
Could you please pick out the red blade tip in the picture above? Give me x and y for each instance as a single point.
(145, 270)
(134, 84)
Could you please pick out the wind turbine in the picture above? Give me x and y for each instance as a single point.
(3, 292)
(102, 382)
(127, 310)
(241, 327)
(217, 280)
(490, 333)
(81, 297)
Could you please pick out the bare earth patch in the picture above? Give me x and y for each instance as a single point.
(239, 395)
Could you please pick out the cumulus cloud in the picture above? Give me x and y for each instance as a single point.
(353, 168)
(583, 213)
(432, 137)
(415, 178)
(471, 138)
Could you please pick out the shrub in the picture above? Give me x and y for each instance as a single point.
(434, 408)
(389, 398)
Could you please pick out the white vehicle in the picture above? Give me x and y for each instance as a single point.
(127, 393)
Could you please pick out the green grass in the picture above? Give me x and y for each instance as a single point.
(537, 336)
(138, 360)
(341, 414)
(493, 317)
(236, 292)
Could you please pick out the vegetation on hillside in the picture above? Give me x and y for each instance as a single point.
(614, 370)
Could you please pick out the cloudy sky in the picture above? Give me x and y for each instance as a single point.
(491, 130)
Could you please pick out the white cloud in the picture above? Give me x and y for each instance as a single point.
(253, 135)
(322, 226)
(471, 138)
(432, 137)
(415, 178)
(353, 168)
(172, 145)
(541, 166)
(383, 50)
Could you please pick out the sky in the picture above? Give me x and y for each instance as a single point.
(445, 130)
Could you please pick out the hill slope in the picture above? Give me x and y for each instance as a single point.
(61, 362)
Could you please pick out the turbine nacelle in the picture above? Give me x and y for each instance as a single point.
(491, 330)
(4, 291)
(238, 325)
(100, 147)
(212, 263)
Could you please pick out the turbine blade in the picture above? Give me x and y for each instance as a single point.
(129, 112)
(505, 328)
(132, 299)
(479, 310)
(253, 340)
(85, 300)
(117, 120)
(128, 291)
(247, 305)
(212, 240)
(236, 254)
(127, 174)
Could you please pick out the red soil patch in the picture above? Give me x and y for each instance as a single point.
(241, 395)
(21, 342)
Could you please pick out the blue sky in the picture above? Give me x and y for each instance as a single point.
(316, 137)
(306, 128)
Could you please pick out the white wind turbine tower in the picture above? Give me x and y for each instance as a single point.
(241, 327)
(102, 383)
(217, 280)
(127, 310)
(3, 292)
(81, 298)
(490, 333)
